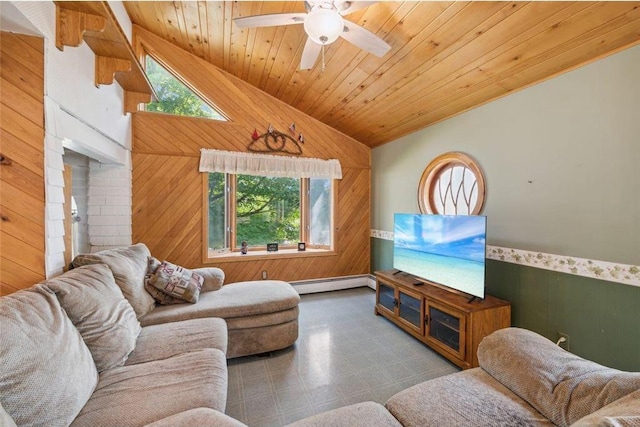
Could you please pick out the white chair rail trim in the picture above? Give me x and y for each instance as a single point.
(268, 165)
(595, 269)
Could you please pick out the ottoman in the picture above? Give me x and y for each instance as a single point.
(261, 315)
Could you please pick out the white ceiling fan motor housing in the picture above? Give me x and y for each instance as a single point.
(323, 26)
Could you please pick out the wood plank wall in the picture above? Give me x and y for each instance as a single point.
(22, 197)
(167, 187)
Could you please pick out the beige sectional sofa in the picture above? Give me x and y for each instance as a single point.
(91, 348)
(259, 318)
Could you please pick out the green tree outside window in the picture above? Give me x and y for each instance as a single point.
(174, 97)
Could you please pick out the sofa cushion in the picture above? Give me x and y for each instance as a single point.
(5, 419)
(169, 339)
(177, 282)
(365, 414)
(562, 386)
(198, 417)
(137, 395)
(624, 412)
(99, 311)
(129, 266)
(47, 372)
(463, 399)
(241, 299)
(213, 278)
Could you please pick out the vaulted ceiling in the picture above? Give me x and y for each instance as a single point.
(445, 57)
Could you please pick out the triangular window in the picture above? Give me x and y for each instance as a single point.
(174, 97)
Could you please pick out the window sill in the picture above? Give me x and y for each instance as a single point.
(264, 255)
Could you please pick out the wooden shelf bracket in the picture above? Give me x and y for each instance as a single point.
(95, 23)
(71, 26)
(133, 99)
(107, 67)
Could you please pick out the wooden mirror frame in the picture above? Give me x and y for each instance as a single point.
(431, 178)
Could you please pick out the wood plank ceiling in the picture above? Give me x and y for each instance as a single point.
(446, 57)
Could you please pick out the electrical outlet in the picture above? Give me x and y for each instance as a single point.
(564, 343)
(264, 274)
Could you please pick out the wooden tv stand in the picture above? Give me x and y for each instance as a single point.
(442, 318)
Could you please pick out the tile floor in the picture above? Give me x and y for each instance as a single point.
(344, 354)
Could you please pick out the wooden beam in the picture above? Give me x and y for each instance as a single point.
(133, 99)
(107, 67)
(71, 26)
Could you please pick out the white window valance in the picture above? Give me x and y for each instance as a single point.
(268, 165)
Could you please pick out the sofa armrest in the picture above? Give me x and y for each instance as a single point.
(204, 417)
(213, 278)
(623, 412)
(560, 385)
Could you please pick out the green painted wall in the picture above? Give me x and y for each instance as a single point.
(562, 166)
(601, 318)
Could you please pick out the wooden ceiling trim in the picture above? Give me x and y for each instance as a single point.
(492, 92)
(203, 36)
(256, 56)
(191, 13)
(470, 59)
(510, 63)
(283, 46)
(415, 77)
(442, 43)
(408, 58)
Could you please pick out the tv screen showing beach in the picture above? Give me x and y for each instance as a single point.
(445, 249)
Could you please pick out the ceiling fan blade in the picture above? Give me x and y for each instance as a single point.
(310, 54)
(346, 7)
(364, 39)
(270, 20)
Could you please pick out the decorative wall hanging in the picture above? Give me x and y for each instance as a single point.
(452, 184)
(274, 141)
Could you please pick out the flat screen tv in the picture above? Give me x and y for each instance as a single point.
(444, 249)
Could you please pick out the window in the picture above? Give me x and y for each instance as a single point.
(174, 97)
(267, 209)
(452, 184)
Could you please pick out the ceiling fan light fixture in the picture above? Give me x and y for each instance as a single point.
(323, 26)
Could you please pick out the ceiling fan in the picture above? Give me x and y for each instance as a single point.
(323, 23)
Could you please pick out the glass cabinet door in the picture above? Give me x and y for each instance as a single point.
(447, 328)
(386, 297)
(410, 310)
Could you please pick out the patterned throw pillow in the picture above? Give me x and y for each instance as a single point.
(177, 282)
(160, 297)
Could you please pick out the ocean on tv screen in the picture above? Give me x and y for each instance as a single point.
(449, 250)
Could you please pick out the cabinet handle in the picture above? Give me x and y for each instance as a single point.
(395, 302)
(426, 319)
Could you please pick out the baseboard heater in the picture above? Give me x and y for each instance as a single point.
(333, 284)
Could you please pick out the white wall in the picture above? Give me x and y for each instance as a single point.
(561, 161)
(79, 115)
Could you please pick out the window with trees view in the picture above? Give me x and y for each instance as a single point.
(174, 97)
(263, 209)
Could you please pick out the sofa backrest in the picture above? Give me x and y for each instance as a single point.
(97, 308)
(560, 385)
(129, 266)
(47, 372)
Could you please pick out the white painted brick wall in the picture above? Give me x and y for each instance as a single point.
(54, 206)
(109, 205)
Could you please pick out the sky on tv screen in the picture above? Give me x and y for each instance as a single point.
(445, 249)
